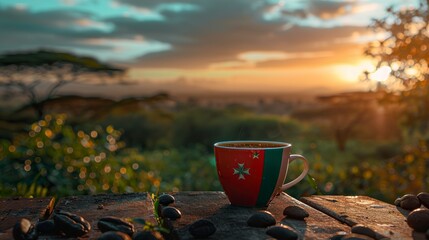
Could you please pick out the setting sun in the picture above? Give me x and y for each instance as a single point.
(381, 75)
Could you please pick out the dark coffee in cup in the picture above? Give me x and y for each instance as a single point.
(252, 145)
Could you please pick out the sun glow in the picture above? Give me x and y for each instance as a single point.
(352, 73)
(381, 75)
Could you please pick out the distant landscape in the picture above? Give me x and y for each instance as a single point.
(160, 131)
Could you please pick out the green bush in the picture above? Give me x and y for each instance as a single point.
(65, 161)
(199, 126)
(174, 151)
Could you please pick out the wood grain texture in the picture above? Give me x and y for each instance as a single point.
(92, 208)
(231, 221)
(328, 214)
(13, 209)
(385, 219)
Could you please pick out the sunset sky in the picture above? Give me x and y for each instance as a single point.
(226, 45)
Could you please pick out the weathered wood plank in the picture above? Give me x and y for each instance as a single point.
(13, 209)
(385, 219)
(231, 221)
(94, 207)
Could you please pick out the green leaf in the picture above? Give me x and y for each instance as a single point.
(313, 184)
(162, 229)
(140, 221)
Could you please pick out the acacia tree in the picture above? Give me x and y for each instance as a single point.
(405, 50)
(38, 75)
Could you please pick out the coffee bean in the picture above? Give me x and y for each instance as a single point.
(282, 232)
(46, 227)
(115, 224)
(166, 199)
(112, 235)
(147, 235)
(397, 202)
(427, 234)
(295, 212)
(24, 230)
(202, 228)
(171, 213)
(419, 219)
(261, 219)
(71, 224)
(424, 198)
(355, 236)
(409, 202)
(363, 230)
(338, 235)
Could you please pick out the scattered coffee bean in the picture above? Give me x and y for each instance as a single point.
(261, 219)
(148, 235)
(112, 235)
(419, 219)
(295, 212)
(24, 230)
(71, 224)
(282, 232)
(355, 236)
(338, 235)
(46, 227)
(409, 202)
(363, 230)
(424, 198)
(397, 202)
(202, 228)
(107, 224)
(166, 199)
(171, 213)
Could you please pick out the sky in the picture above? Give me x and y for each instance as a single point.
(207, 45)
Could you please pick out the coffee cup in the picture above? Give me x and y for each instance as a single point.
(252, 173)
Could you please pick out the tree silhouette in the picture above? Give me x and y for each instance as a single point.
(405, 50)
(38, 75)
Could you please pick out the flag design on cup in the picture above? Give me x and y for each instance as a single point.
(251, 177)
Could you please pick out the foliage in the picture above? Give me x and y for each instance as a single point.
(38, 75)
(197, 126)
(143, 129)
(202, 126)
(66, 161)
(345, 116)
(405, 51)
(53, 59)
(55, 158)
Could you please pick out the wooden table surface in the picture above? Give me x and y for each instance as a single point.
(328, 214)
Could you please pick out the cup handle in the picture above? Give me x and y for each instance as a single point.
(300, 177)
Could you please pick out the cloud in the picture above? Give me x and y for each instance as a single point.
(122, 49)
(69, 2)
(331, 9)
(189, 34)
(56, 29)
(55, 22)
(215, 35)
(323, 9)
(253, 58)
(20, 7)
(328, 13)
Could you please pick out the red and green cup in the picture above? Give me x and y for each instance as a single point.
(252, 173)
